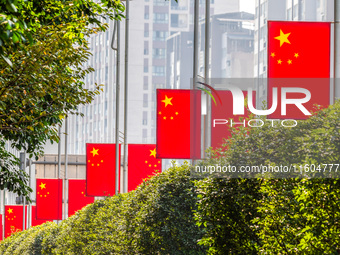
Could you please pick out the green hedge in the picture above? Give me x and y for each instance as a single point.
(275, 216)
(156, 218)
(173, 214)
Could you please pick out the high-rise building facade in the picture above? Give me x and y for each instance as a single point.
(231, 50)
(151, 23)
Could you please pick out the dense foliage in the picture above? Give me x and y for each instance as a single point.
(21, 19)
(44, 82)
(274, 215)
(174, 214)
(156, 218)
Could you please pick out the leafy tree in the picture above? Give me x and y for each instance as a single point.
(44, 83)
(21, 19)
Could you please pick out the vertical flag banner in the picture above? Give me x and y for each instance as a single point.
(13, 219)
(222, 117)
(34, 221)
(298, 57)
(100, 169)
(178, 124)
(1, 233)
(142, 163)
(77, 198)
(49, 199)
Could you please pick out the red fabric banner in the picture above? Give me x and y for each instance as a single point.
(100, 169)
(13, 219)
(49, 199)
(77, 198)
(35, 221)
(222, 117)
(1, 235)
(142, 163)
(178, 124)
(298, 57)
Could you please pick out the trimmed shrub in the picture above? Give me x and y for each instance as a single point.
(156, 218)
(276, 216)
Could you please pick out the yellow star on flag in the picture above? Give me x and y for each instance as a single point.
(289, 61)
(153, 152)
(296, 55)
(10, 210)
(283, 38)
(94, 152)
(42, 185)
(279, 61)
(167, 101)
(272, 54)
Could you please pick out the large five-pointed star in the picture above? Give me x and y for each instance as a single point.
(10, 210)
(153, 152)
(283, 38)
(94, 152)
(167, 101)
(42, 185)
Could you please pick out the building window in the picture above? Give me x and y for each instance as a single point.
(179, 20)
(146, 66)
(160, 35)
(146, 48)
(145, 118)
(145, 135)
(160, 3)
(146, 12)
(146, 30)
(180, 5)
(160, 18)
(145, 83)
(158, 71)
(145, 100)
(158, 53)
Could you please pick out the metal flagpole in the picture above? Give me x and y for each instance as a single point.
(65, 177)
(258, 52)
(3, 216)
(126, 73)
(196, 53)
(207, 117)
(117, 106)
(29, 223)
(59, 158)
(23, 168)
(196, 38)
(292, 10)
(300, 10)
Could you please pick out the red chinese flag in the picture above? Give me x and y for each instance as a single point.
(35, 221)
(13, 219)
(178, 124)
(222, 117)
(142, 163)
(299, 57)
(1, 233)
(101, 169)
(49, 199)
(77, 198)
